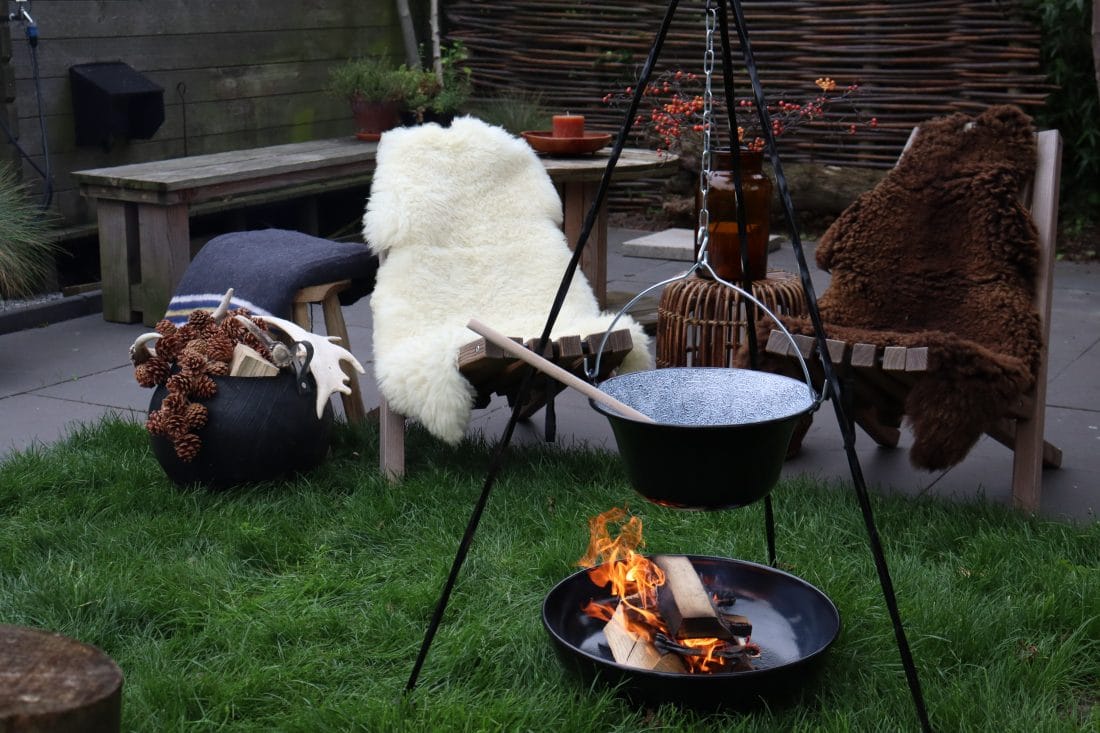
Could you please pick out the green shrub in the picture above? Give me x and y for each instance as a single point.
(373, 79)
(515, 111)
(1073, 106)
(26, 246)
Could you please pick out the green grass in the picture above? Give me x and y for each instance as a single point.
(300, 606)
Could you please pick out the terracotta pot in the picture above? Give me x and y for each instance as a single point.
(724, 249)
(259, 429)
(374, 118)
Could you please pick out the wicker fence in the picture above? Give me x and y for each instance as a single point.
(913, 60)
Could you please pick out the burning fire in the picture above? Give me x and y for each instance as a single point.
(634, 580)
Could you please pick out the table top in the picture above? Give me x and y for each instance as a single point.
(321, 157)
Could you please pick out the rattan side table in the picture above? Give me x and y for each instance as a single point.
(701, 322)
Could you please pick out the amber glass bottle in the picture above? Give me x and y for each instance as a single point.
(724, 250)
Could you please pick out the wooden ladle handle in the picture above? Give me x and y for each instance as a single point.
(550, 368)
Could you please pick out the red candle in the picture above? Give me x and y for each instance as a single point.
(568, 125)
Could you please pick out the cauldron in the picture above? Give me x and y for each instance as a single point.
(719, 437)
(792, 621)
(259, 428)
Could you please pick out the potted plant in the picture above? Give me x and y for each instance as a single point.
(436, 96)
(26, 244)
(375, 89)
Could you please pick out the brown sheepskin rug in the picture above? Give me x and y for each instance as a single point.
(943, 254)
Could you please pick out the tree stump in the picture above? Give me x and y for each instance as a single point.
(49, 682)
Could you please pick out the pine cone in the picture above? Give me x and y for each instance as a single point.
(217, 368)
(200, 320)
(155, 423)
(174, 402)
(219, 347)
(175, 424)
(170, 346)
(196, 416)
(165, 327)
(153, 372)
(195, 346)
(187, 447)
(180, 384)
(203, 387)
(191, 362)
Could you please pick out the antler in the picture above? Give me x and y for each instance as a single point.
(140, 351)
(326, 363)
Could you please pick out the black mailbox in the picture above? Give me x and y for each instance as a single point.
(111, 101)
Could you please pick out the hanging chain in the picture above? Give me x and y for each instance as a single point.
(703, 232)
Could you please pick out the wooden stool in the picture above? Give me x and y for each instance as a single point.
(49, 682)
(327, 295)
(701, 322)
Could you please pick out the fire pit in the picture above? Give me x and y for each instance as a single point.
(793, 623)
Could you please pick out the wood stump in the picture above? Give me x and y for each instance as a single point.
(49, 682)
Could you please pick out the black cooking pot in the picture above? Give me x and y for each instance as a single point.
(259, 429)
(792, 621)
(720, 435)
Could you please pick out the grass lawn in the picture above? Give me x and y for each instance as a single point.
(300, 606)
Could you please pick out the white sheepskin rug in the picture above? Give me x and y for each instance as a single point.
(469, 225)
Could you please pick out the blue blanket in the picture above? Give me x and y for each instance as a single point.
(266, 268)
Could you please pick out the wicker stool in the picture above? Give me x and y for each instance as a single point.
(701, 322)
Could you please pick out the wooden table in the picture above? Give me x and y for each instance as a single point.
(143, 209)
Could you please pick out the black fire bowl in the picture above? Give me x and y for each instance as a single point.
(793, 623)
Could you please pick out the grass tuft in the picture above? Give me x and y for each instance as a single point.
(300, 605)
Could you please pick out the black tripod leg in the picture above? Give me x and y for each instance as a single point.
(843, 420)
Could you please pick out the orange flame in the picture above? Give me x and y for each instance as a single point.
(634, 580)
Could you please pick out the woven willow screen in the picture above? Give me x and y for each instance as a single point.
(913, 60)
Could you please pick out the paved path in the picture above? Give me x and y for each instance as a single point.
(78, 370)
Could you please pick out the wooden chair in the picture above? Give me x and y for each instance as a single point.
(880, 377)
(491, 371)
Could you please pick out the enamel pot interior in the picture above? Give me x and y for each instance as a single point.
(793, 623)
(720, 435)
(258, 429)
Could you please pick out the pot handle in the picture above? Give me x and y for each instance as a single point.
(703, 264)
(301, 369)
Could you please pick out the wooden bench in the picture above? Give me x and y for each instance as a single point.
(144, 209)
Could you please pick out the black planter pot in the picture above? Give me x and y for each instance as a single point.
(259, 429)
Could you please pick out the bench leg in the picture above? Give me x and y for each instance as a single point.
(119, 259)
(165, 236)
